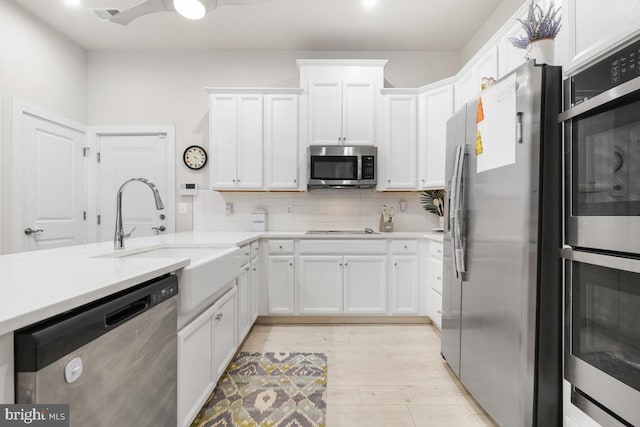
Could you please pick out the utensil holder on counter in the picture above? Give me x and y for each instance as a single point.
(385, 226)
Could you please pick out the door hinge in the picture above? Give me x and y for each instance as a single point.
(98, 219)
(85, 151)
(98, 156)
(84, 215)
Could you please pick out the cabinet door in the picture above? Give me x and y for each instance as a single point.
(250, 153)
(224, 332)
(437, 108)
(405, 284)
(253, 291)
(280, 286)
(435, 308)
(320, 284)
(486, 66)
(365, 284)
(509, 56)
(325, 113)
(244, 303)
(281, 141)
(434, 275)
(358, 121)
(223, 133)
(195, 366)
(401, 142)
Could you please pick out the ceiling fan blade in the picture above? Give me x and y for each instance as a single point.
(144, 8)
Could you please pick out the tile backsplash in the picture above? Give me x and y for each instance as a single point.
(314, 210)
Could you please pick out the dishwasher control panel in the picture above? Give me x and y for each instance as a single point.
(164, 293)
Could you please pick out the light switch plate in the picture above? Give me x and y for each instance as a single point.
(182, 208)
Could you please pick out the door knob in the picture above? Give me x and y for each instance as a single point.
(160, 229)
(29, 231)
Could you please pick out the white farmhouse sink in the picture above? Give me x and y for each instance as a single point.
(211, 269)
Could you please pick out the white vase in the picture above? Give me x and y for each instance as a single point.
(441, 221)
(542, 51)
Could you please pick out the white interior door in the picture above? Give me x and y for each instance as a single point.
(49, 179)
(123, 157)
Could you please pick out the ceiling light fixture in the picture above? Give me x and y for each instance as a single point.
(369, 4)
(191, 9)
(72, 3)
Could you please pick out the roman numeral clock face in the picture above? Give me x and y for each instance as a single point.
(195, 157)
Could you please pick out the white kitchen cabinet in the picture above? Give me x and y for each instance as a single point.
(321, 280)
(404, 284)
(365, 284)
(465, 88)
(244, 298)
(224, 332)
(469, 83)
(205, 348)
(196, 378)
(509, 56)
(486, 66)
(591, 27)
(400, 152)
(281, 141)
(6, 369)
(435, 107)
(253, 290)
(434, 282)
(236, 137)
(435, 302)
(342, 113)
(280, 284)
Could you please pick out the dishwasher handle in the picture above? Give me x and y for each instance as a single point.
(125, 313)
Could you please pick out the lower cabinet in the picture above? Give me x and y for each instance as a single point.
(404, 283)
(253, 290)
(365, 284)
(205, 347)
(280, 284)
(320, 284)
(434, 283)
(244, 302)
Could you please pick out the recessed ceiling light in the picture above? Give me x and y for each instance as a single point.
(72, 3)
(369, 4)
(191, 9)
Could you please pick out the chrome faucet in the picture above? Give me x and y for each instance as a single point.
(118, 240)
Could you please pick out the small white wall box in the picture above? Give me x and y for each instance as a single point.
(259, 220)
(188, 190)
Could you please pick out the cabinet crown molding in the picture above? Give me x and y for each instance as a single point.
(254, 90)
(341, 62)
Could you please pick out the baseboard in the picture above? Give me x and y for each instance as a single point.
(270, 320)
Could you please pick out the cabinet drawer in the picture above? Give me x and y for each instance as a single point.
(245, 254)
(435, 249)
(254, 249)
(340, 247)
(280, 247)
(435, 312)
(435, 274)
(404, 246)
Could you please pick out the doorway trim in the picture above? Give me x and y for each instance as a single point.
(93, 182)
(19, 110)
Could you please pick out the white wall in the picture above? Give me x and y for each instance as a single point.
(497, 19)
(314, 210)
(42, 68)
(167, 87)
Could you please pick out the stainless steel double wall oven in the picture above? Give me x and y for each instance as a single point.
(602, 266)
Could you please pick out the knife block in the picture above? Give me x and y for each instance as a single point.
(385, 226)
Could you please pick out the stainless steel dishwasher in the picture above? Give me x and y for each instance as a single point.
(113, 361)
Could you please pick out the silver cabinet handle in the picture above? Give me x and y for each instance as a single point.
(246, 269)
(439, 311)
(340, 264)
(388, 180)
(280, 246)
(219, 317)
(233, 180)
(254, 269)
(439, 278)
(29, 231)
(395, 264)
(346, 264)
(291, 264)
(160, 229)
(406, 246)
(295, 180)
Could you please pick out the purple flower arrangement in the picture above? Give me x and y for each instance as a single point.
(538, 25)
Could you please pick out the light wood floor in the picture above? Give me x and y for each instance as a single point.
(379, 375)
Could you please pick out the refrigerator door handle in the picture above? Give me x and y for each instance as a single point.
(458, 213)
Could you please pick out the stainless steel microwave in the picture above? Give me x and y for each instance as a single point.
(342, 166)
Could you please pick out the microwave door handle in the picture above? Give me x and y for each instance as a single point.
(600, 100)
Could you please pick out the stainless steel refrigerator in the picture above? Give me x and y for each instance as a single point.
(502, 296)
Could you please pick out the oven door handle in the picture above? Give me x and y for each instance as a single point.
(600, 100)
(615, 262)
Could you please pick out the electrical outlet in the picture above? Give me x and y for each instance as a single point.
(229, 208)
(182, 208)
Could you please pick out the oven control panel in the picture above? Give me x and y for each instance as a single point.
(612, 71)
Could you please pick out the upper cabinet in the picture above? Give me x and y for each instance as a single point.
(435, 106)
(253, 139)
(399, 154)
(236, 141)
(469, 81)
(509, 56)
(341, 104)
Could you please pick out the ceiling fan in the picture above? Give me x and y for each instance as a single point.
(191, 9)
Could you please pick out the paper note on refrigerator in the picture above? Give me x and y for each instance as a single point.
(498, 127)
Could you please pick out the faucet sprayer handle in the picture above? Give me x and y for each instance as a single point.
(127, 235)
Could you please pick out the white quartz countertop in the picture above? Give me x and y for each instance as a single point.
(41, 284)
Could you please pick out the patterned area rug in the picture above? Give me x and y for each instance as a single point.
(269, 390)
